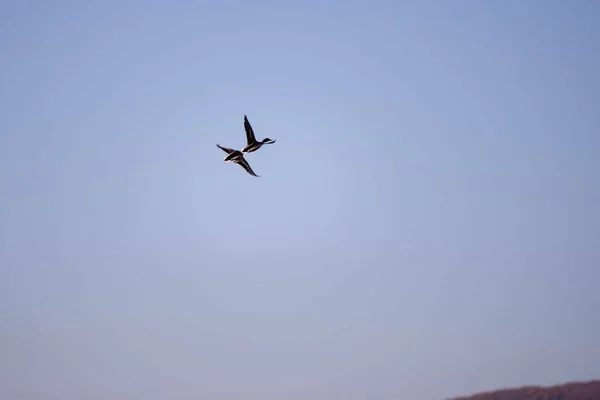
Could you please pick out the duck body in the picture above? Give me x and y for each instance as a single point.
(252, 143)
(237, 157)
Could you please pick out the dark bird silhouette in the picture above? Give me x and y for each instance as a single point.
(252, 143)
(237, 157)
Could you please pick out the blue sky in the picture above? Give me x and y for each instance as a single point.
(426, 225)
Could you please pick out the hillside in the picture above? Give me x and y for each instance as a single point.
(568, 391)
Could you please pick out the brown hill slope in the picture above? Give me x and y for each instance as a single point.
(567, 391)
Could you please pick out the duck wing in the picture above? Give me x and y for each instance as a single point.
(249, 131)
(226, 149)
(242, 161)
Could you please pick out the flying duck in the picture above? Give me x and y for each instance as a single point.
(253, 144)
(237, 157)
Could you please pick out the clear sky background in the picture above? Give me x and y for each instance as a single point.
(426, 225)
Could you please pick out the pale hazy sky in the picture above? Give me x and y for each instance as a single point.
(426, 225)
